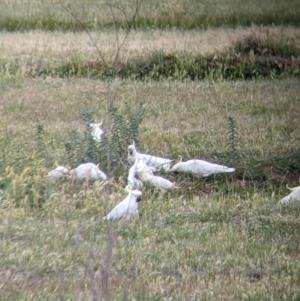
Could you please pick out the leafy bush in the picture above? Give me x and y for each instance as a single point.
(111, 152)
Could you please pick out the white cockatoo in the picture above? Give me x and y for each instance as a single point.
(133, 181)
(293, 196)
(87, 172)
(127, 208)
(97, 131)
(58, 173)
(200, 168)
(145, 175)
(155, 163)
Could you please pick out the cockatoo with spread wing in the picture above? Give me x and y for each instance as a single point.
(127, 208)
(96, 131)
(58, 173)
(293, 196)
(145, 175)
(155, 163)
(200, 168)
(87, 172)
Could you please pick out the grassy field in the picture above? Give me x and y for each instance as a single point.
(51, 15)
(220, 238)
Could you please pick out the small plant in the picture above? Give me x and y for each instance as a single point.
(74, 149)
(111, 152)
(40, 141)
(125, 129)
(232, 136)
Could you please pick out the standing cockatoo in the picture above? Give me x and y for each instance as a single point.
(127, 208)
(293, 196)
(200, 168)
(155, 163)
(96, 131)
(87, 172)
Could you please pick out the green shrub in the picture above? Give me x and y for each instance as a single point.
(111, 152)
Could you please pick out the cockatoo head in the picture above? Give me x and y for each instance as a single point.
(132, 154)
(292, 188)
(178, 166)
(135, 193)
(97, 131)
(131, 150)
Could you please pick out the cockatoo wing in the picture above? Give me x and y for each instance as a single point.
(82, 170)
(154, 162)
(141, 165)
(131, 174)
(119, 211)
(161, 183)
(127, 208)
(87, 171)
(97, 174)
(157, 162)
(132, 180)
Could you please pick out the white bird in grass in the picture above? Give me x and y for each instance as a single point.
(200, 168)
(58, 173)
(126, 209)
(87, 172)
(293, 196)
(96, 131)
(133, 181)
(155, 163)
(145, 175)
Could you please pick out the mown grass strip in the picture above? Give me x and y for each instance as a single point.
(44, 23)
(234, 19)
(161, 21)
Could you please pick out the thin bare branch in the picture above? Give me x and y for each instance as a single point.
(101, 279)
(131, 22)
(83, 26)
(114, 20)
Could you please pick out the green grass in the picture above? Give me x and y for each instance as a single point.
(202, 248)
(220, 238)
(50, 15)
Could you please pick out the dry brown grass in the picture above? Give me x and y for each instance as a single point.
(49, 46)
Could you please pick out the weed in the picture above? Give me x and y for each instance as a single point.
(40, 139)
(111, 152)
(232, 136)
